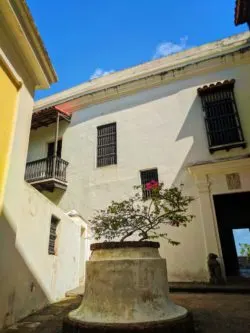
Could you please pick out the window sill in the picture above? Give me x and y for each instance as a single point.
(106, 166)
(228, 146)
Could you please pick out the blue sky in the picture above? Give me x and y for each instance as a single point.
(241, 236)
(83, 36)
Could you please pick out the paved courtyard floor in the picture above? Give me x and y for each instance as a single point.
(213, 313)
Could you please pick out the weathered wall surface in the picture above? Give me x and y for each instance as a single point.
(159, 128)
(29, 276)
(132, 288)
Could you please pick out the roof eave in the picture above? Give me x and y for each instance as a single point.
(19, 19)
(47, 117)
(171, 63)
(37, 41)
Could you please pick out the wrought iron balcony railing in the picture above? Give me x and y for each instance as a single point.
(46, 169)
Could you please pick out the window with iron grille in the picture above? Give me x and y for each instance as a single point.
(146, 177)
(106, 145)
(221, 116)
(52, 235)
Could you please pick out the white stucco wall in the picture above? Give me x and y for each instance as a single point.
(29, 276)
(161, 127)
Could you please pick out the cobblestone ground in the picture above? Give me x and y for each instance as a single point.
(213, 313)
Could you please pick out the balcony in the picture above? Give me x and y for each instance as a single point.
(47, 174)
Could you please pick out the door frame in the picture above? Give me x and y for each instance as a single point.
(210, 180)
(232, 226)
(53, 141)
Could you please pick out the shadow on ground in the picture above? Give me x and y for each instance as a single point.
(218, 313)
(47, 320)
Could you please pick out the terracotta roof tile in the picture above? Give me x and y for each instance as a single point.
(47, 116)
(215, 87)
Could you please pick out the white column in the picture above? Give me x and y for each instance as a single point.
(208, 219)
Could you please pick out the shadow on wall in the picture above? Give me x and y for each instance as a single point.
(143, 97)
(194, 127)
(199, 139)
(56, 196)
(20, 291)
(192, 132)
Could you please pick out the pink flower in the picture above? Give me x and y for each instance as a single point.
(151, 185)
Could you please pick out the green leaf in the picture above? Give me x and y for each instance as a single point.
(135, 216)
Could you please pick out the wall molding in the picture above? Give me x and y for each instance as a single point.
(220, 167)
(10, 71)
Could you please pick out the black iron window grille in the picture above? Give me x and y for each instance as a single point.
(52, 235)
(146, 177)
(221, 116)
(106, 145)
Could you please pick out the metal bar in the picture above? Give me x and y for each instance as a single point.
(37, 161)
(222, 118)
(106, 145)
(66, 118)
(55, 145)
(43, 169)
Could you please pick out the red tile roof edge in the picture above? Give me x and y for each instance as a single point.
(43, 117)
(215, 86)
(52, 108)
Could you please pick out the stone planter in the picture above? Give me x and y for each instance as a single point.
(127, 291)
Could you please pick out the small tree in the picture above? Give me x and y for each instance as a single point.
(143, 216)
(245, 250)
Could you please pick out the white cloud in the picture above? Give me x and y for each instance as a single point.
(166, 48)
(100, 72)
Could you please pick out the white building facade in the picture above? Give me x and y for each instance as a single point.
(184, 119)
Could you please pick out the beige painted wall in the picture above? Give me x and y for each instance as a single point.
(161, 127)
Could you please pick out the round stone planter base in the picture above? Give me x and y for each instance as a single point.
(183, 325)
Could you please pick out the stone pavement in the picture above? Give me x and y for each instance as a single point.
(213, 313)
(47, 320)
(217, 313)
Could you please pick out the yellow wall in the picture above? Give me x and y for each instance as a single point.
(8, 98)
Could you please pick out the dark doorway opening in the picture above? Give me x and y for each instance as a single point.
(51, 149)
(233, 213)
